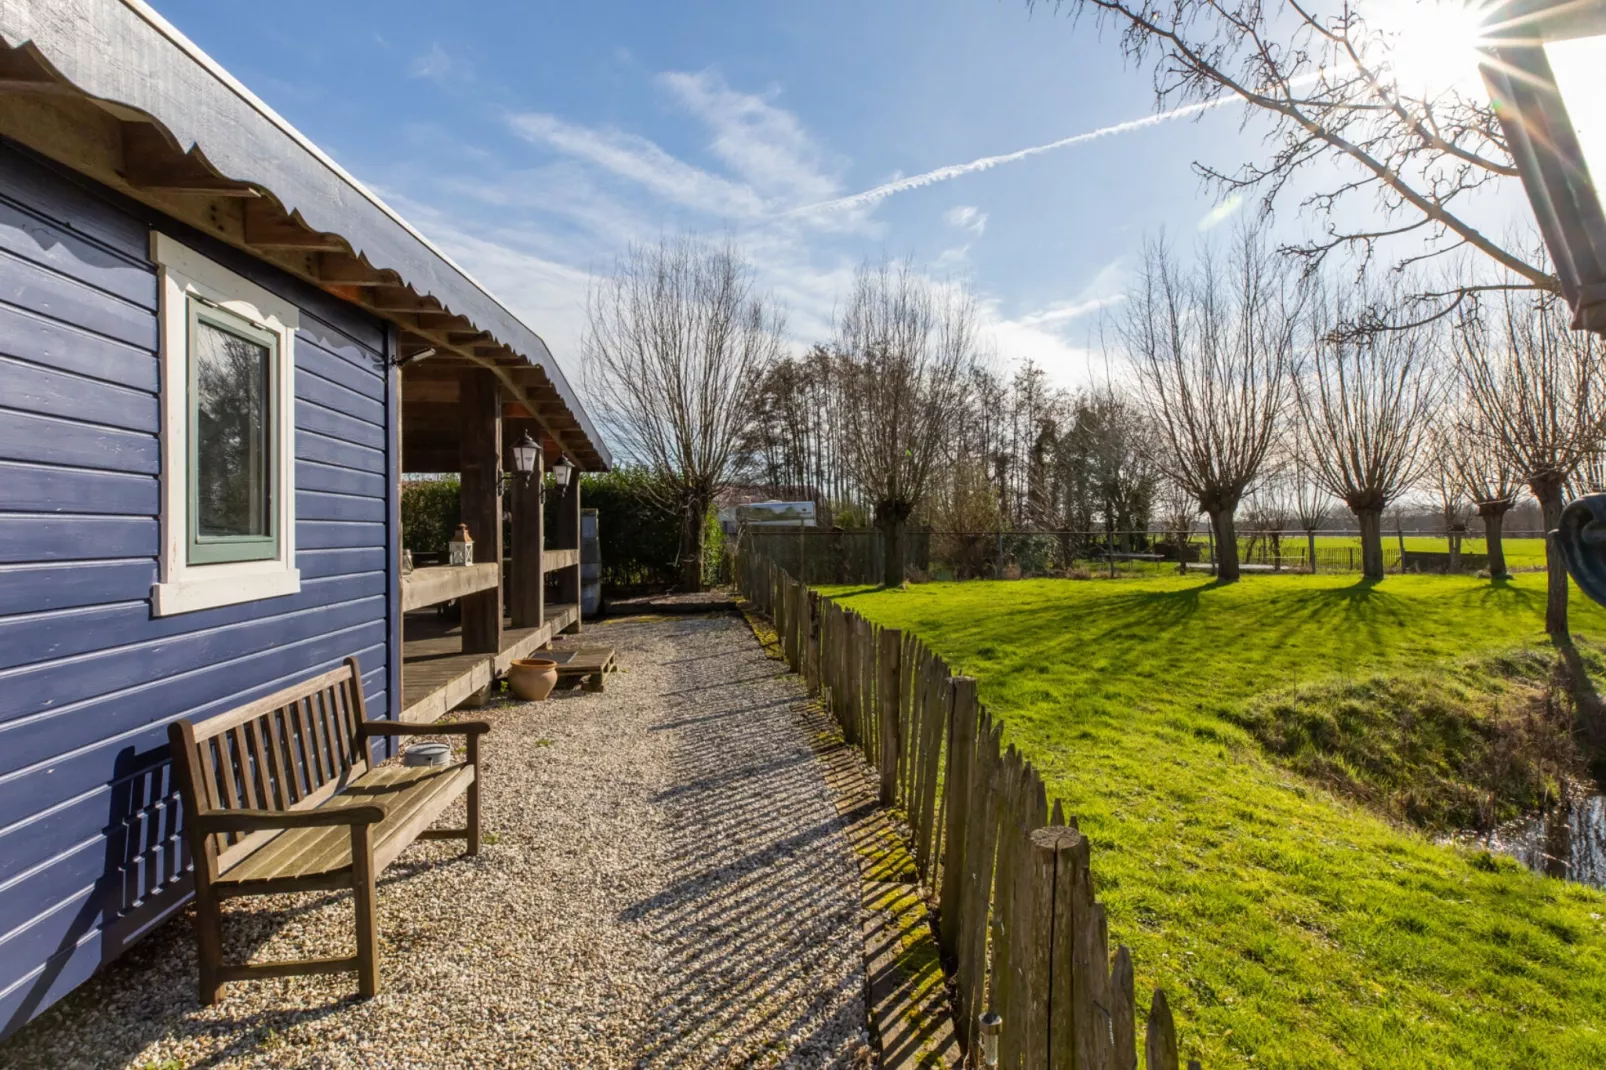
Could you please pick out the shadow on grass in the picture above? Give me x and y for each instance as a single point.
(842, 596)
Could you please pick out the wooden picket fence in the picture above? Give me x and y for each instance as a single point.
(1017, 922)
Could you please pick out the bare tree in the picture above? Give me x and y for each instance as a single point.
(1539, 387)
(1312, 504)
(1177, 511)
(1455, 507)
(1366, 403)
(905, 345)
(1213, 353)
(1386, 157)
(1483, 471)
(677, 344)
(1270, 509)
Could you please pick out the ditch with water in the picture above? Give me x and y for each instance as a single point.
(1567, 841)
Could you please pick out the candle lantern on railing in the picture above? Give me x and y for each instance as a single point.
(461, 548)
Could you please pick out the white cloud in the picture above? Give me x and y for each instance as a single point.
(765, 145)
(966, 217)
(434, 64)
(636, 159)
(1065, 311)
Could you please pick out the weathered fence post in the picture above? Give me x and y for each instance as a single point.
(957, 804)
(1160, 1041)
(887, 699)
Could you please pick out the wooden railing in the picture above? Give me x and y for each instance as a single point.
(1020, 930)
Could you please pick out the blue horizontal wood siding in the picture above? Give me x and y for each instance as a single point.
(91, 854)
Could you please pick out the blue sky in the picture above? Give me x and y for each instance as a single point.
(535, 141)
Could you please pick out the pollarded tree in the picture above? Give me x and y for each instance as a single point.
(1312, 504)
(677, 343)
(1480, 469)
(1366, 403)
(905, 345)
(1213, 350)
(1541, 389)
(1455, 506)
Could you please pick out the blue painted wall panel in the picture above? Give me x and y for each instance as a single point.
(34, 588)
(30, 387)
(36, 488)
(90, 849)
(43, 440)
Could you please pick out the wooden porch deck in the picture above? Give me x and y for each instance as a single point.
(437, 675)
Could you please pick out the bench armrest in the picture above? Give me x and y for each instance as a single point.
(258, 820)
(400, 728)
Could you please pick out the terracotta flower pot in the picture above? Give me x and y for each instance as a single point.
(532, 679)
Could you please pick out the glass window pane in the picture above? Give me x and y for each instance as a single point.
(233, 470)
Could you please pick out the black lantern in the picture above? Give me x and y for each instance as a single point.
(562, 471)
(1544, 67)
(526, 456)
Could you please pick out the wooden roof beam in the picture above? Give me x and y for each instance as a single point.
(266, 227)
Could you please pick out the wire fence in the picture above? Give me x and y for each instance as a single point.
(839, 556)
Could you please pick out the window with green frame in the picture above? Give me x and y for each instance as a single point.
(233, 456)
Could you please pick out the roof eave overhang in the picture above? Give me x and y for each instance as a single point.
(109, 88)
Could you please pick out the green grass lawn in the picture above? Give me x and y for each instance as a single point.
(1290, 928)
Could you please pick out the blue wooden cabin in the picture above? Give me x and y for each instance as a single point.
(219, 354)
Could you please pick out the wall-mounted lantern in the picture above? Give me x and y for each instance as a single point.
(562, 471)
(526, 457)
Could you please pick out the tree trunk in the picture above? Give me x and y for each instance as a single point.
(694, 512)
(1549, 496)
(1371, 522)
(1310, 544)
(891, 518)
(1226, 545)
(1493, 526)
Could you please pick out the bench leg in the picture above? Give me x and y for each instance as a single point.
(474, 794)
(208, 942)
(362, 886)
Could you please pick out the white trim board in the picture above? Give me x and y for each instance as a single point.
(182, 587)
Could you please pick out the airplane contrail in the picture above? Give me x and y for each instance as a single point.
(943, 174)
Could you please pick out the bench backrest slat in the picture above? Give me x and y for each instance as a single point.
(290, 750)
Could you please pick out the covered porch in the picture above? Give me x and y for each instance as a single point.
(472, 415)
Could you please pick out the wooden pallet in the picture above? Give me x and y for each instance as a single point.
(587, 665)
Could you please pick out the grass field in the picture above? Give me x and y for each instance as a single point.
(1520, 553)
(1290, 928)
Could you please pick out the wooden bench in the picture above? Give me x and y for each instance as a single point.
(279, 796)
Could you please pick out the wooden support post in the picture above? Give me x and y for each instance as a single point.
(527, 591)
(480, 458)
(568, 538)
(362, 886)
(887, 694)
(474, 793)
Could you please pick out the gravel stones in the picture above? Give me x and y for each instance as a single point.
(664, 882)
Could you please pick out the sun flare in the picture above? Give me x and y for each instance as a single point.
(1431, 46)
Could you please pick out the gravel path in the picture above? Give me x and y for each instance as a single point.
(664, 883)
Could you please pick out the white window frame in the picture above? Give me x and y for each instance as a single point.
(181, 587)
